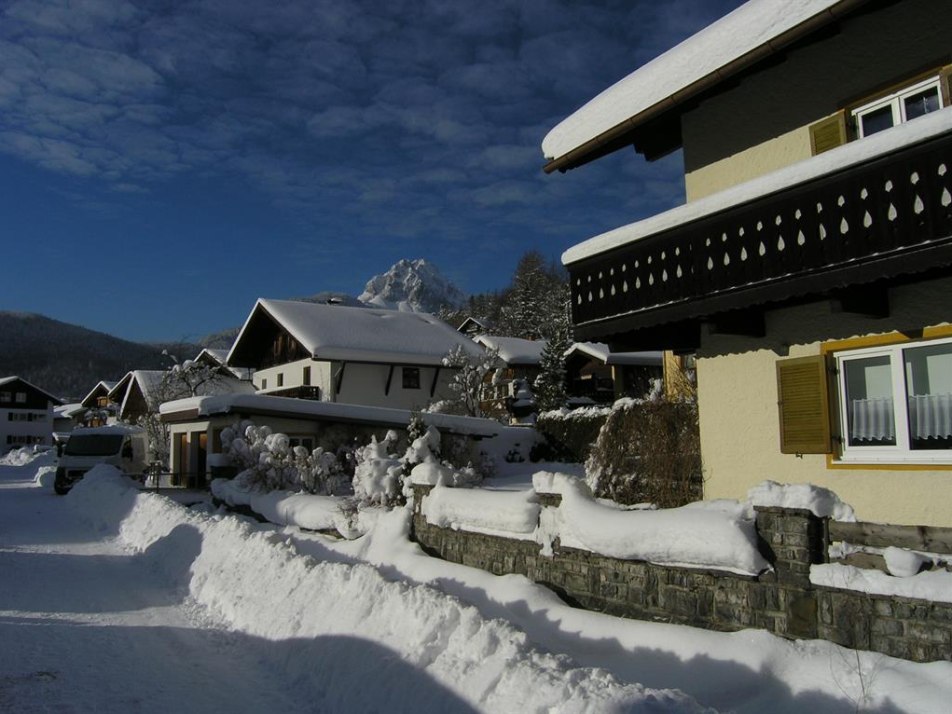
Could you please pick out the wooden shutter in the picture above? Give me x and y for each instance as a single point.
(828, 133)
(945, 85)
(804, 406)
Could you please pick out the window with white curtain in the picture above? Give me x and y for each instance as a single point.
(901, 106)
(896, 402)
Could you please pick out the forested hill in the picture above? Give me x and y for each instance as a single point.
(68, 360)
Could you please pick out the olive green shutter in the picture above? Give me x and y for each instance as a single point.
(828, 133)
(804, 406)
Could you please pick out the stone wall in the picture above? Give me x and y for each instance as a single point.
(781, 601)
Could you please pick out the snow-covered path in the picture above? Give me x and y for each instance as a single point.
(86, 626)
(114, 600)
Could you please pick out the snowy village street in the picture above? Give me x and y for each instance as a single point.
(87, 626)
(112, 600)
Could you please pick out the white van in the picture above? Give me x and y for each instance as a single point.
(125, 447)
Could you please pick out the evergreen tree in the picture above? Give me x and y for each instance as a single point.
(549, 386)
(533, 306)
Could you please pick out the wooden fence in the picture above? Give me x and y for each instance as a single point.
(876, 536)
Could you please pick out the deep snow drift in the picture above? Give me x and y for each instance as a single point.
(374, 624)
(254, 579)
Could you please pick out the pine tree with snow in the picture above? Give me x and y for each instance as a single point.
(534, 305)
(549, 386)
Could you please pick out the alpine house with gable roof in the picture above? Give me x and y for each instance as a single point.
(810, 269)
(26, 414)
(354, 355)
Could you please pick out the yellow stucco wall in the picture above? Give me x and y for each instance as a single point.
(749, 164)
(739, 420)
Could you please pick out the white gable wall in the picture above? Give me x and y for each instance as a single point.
(366, 384)
(362, 383)
(292, 375)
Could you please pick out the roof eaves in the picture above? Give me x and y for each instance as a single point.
(589, 151)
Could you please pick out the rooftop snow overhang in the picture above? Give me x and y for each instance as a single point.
(869, 212)
(644, 108)
(202, 408)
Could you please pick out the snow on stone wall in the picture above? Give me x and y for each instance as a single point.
(381, 631)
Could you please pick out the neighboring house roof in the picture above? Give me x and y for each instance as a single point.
(219, 357)
(215, 355)
(184, 410)
(734, 43)
(514, 351)
(471, 325)
(68, 411)
(103, 388)
(842, 157)
(351, 334)
(145, 387)
(4, 381)
(600, 352)
(145, 382)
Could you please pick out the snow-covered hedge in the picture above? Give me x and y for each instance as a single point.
(648, 451)
(569, 434)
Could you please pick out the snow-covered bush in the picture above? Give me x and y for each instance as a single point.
(379, 474)
(267, 461)
(426, 467)
(569, 435)
(468, 380)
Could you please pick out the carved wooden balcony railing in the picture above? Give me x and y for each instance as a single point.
(884, 218)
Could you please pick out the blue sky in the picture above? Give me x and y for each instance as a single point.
(163, 164)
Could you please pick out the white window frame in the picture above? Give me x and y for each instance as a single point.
(901, 452)
(895, 101)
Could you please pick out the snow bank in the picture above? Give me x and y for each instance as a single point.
(822, 502)
(27, 455)
(45, 477)
(512, 514)
(255, 581)
(285, 508)
(719, 536)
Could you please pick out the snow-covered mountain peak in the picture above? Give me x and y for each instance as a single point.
(412, 285)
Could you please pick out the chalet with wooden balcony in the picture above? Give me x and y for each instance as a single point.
(810, 269)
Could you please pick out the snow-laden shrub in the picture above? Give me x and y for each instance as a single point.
(379, 474)
(267, 461)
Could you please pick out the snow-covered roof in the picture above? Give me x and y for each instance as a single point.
(842, 157)
(194, 407)
(336, 332)
(216, 355)
(601, 352)
(68, 411)
(107, 429)
(102, 386)
(514, 350)
(14, 378)
(147, 381)
(220, 357)
(746, 35)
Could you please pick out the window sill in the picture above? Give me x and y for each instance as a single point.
(891, 463)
